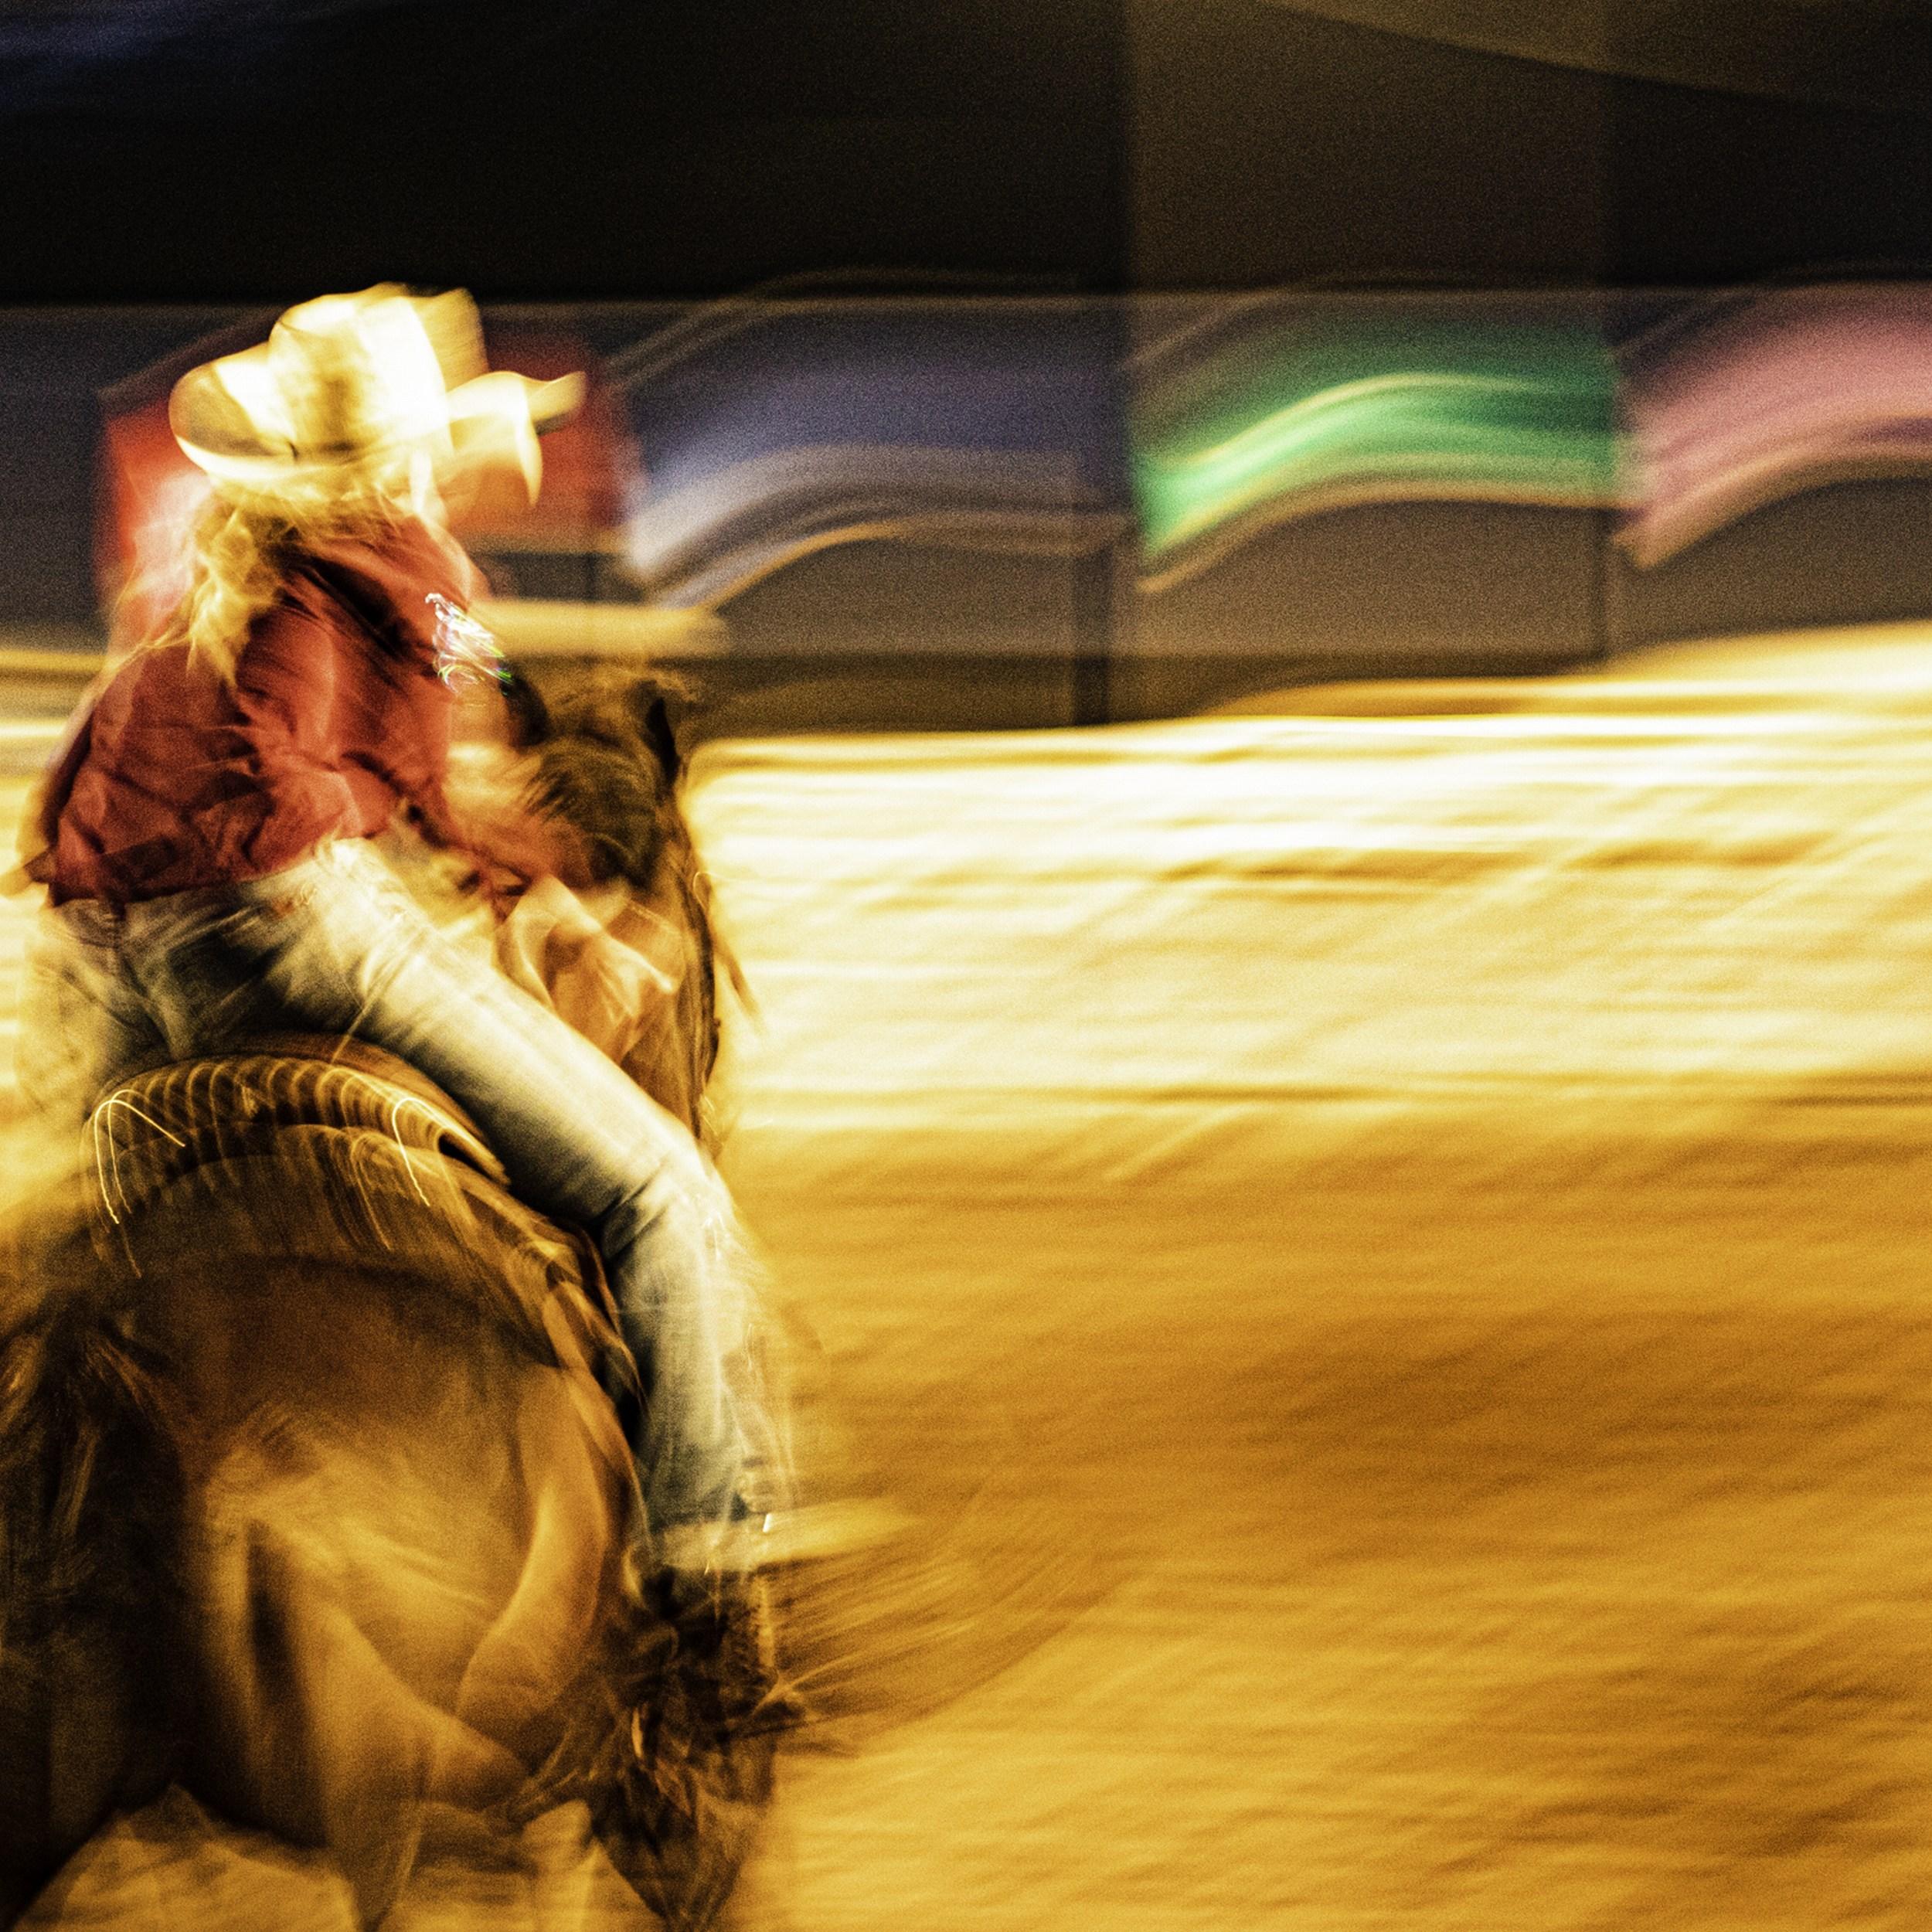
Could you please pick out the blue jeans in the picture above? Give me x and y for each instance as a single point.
(334, 944)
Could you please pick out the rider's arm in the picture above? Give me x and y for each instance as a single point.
(286, 701)
(477, 812)
(406, 601)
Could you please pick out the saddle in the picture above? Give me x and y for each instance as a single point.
(304, 1148)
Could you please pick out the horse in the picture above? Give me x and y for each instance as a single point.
(313, 1494)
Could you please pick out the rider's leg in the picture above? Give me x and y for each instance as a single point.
(336, 941)
(84, 1018)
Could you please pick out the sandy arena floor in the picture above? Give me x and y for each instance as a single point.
(1421, 1203)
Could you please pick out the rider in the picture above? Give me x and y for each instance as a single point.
(207, 830)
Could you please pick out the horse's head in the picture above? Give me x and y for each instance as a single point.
(605, 770)
(606, 764)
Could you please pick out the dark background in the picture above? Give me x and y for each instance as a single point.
(210, 150)
(171, 165)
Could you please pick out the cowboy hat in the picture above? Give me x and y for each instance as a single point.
(347, 383)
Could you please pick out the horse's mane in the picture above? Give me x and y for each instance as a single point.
(90, 1462)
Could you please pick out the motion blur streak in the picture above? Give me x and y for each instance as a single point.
(1740, 401)
(1289, 416)
(1426, 1187)
(773, 430)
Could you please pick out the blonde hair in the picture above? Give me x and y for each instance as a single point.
(245, 543)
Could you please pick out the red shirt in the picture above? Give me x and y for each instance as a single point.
(336, 717)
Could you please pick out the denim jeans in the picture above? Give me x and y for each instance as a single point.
(334, 944)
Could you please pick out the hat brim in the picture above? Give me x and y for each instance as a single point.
(232, 423)
(496, 419)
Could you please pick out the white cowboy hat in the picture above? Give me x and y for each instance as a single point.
(350, 383)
